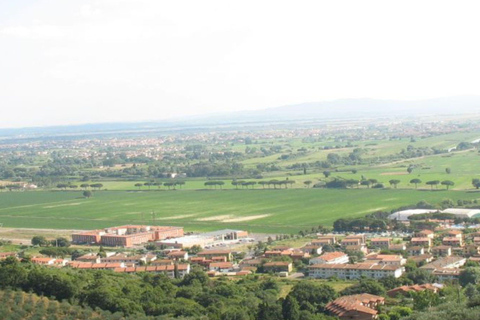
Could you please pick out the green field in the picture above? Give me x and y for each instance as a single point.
(269, 211)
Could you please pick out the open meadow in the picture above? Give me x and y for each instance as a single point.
(265, 211)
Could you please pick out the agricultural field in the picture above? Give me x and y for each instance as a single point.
(262, 211)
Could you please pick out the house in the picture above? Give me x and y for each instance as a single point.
(272, 253)
(405, 290)
(162, 262)
(397, 247)
(278, 266)
(251, 263)
(446, 274)
(453, 241)
(335, 257)
(387, 259)
(359, 306)
(208, 254)
(423, 258)
(354, 271)
(330, 239)
(452, 262)
(357, 248)
(476, 241)
(89, 257)
(416, 250)
(443, 251)
(425, 234)
(312, 249)
(171, 271)
(130, 260)
(380, 242)
(44, 261)
(455, 234)
(178, 255)
(5, 255)
(221, 266)
(350, 242)
(421, 241)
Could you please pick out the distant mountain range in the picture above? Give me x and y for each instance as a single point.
(350, 108)
(325, 110)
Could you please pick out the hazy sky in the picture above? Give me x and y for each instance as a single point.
(64, 62)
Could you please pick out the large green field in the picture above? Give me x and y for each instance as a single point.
(269, 211)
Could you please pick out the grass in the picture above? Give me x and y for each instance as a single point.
(277, 211)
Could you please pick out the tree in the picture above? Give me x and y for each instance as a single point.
(476, 183)
(433, 183)
(39, 241)
(326, 173)
(394, 182)
(448, 170)
(60, 242)
(365, 183)
(290, 308)
(469, 275)
(307, 183)
(448, 183)
(87, 193)
(416, 182)
(63, 186)
(410, 169)
(139, 185)
(84, 186)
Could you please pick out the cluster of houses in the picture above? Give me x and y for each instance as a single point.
(443, 254)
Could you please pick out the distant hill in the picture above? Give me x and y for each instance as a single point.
(324, 110)
(376, 108)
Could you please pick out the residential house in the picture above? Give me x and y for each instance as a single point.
(278, 266)
(443, 251)
(425, 234)
(421, 241)
(416, 250)
(405, 290)
(380, 242)
(335, 257)
(360, 306)
(178, 255)
(453, 241)
(208, 254)
(221, 266)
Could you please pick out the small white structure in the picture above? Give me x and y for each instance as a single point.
(404, 214)
(462, 213)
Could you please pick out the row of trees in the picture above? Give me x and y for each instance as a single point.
(169, 184)
(84, 186)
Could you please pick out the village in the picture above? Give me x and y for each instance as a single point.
(168, 250)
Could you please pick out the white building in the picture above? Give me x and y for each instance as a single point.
(354, 271)
(404, 214)
(330, 258)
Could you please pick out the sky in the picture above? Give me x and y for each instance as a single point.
(71, 62)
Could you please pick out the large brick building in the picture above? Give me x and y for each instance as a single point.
(127, 236)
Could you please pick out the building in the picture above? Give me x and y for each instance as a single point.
(416, 250)
(187, 242)
(462, 213)
(452, 262)
(404, 214)
(445, 274)
(353, 240)
(387, 259)
(354, 271)
(425, 234)
(171, 271)
(405, 290)
(397, 247)
(312, 249)
(360, 307)
(455, 233)
(209, 254)
(126, 236)
(129, 260)
(335, 257)
(443, 251)
(227, 234)
(5, 255)
(278, 266)
(178, 255)
(221, 266)
(380, 242)
(423, 242)
(452, 241)
(329, 239)
(423, 258)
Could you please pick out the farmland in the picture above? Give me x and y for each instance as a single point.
(266, 211)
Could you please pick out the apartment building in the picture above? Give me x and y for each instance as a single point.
(354, 271)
